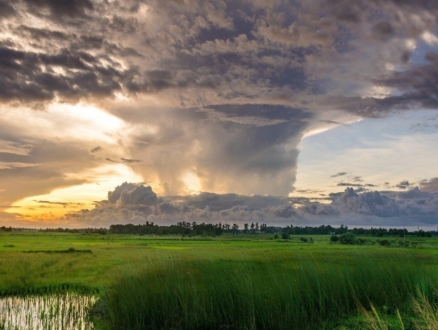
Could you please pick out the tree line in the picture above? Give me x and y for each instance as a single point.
(184, 228)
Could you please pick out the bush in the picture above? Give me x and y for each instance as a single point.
(361, 241)
(384, 242)
(403, 243)
(285, 235)
(348, 238)
(334, 238)
(303, 239)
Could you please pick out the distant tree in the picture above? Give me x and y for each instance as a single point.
(245, 228)
(285, 234)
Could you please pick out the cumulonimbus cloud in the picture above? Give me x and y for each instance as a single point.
(135, 203)
(215, 96)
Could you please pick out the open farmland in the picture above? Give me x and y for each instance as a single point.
(236, 282)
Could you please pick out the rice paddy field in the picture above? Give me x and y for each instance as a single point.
(89, 281)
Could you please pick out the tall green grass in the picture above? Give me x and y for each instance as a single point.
(269, 294)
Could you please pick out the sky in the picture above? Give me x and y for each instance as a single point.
(279, 112)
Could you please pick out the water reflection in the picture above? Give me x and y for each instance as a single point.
(50, 312)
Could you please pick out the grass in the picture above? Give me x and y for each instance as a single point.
(245, 294)
(55, 311)
(248, 282)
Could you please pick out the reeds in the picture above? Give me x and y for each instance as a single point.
(308, 294)
(22, 290)
(69, 311)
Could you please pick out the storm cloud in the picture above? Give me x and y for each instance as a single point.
(296, 53)
(135, 203)
(429, 185)
(202, 96)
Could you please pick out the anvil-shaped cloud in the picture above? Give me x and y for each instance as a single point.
(194, 95)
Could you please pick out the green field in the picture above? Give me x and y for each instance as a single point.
(244, 282)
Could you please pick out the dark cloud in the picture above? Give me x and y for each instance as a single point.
(242, 145)
(42, 166)
(416, 86)
(56, 203)
(42, 34)
(357, 179)
(15, 165)
(347, 12)
(403, 184)
(6, 10)
(414, 194)
(318, 209)
(22, 77)
(220, 202)
(430, 186)
(297, 53)
(338, 174)
(370, 203)
(227, 88)
(310, 191)
(383, 30)
(96, 149)
(132, 194)
(130, 161)
(134, 203)
(400, 207)
(62, 7)
(347, 184)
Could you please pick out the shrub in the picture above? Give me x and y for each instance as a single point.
(285, 235)
(348, 238)
(384, 242)
(334, 238)
(361, 241)
(303, 239)
(403, 243)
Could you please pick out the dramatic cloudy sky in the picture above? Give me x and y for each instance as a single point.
(322, 111)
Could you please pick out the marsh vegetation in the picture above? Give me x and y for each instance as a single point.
(308, 293)
(250, 282)
(68, 311)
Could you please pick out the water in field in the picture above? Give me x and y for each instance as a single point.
(50, 312)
